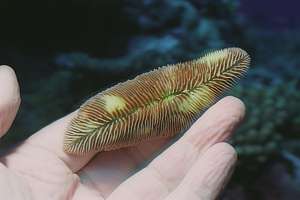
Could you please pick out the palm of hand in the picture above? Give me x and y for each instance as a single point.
(194, 167)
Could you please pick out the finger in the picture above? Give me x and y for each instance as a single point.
(208, 176)
(164, 173)
(9, 98)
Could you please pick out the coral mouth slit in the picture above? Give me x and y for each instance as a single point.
(160, 103)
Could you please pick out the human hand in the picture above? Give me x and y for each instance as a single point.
(196, 166)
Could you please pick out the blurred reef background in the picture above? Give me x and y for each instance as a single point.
(65, 51)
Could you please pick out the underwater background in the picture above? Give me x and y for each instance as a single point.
(64, 51)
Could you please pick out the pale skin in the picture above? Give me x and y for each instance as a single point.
(195, 167)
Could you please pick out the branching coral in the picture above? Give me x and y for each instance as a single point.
(272, 120)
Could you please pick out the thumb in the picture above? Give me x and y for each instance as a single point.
(9, 98)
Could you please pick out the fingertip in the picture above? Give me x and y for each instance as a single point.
(230, 109)
(9, 97)
(6, 68)
(224, 151)
(9, 87)
(8, 73)
(235, 104)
